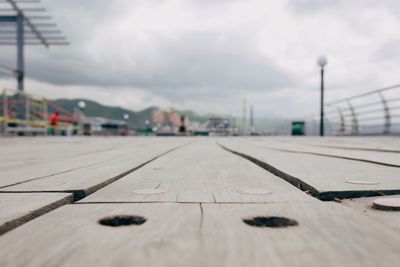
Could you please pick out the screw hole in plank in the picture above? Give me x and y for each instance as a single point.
(122, 220)
(270, 222)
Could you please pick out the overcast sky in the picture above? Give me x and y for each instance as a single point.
(207, 55)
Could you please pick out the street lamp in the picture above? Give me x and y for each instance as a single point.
(81, 107)
(147, 122)
(322, 61)
(126, 118)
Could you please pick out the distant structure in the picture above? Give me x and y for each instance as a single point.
(244, 128)
(19, 28)
(252, 130)
(169, 123)
(219, 126)
(375, 112)
(104, 126)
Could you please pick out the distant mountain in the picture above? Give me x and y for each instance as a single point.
(137, 119)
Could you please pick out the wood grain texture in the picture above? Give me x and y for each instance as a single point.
(200, 172)
(327, 235)
(58, 161)
(16, 209)
(374, 157)
(206, 235)
(71, 236)
(387, 144)
(85, 180)
(322, 176)
(364, 206)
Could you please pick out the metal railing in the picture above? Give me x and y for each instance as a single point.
(373, 113)
(24, 114)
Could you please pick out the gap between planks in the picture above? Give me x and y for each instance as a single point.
(298, 183)
(76, 195)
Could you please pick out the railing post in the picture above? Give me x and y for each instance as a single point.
(386, 109)
(27, 109)
(342, 121)
(5, 104)
(3, 124)
(354, 121)
(20, 51)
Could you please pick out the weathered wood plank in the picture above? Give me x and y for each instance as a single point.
(200, 172)
(375, 157)
(55, 149)
(71, 236)
(364, 206)
(16, 209)
(88, 179)
(327, 235)
(375, 143)
(201, 235)
(322, 176)
(12, 175)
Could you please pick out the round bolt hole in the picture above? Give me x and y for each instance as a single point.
(271, 222)
(122, 220)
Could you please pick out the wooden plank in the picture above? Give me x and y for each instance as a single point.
(41, 147)
(364, 143)
(364, 206)
(52, 149)
(13, 175)
(375, 157)
(200, 172)
(16, 209)
(324, 177)
(201, 235)
(71, 236)
(85, 180)
(327, 235)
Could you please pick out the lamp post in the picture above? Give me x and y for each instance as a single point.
(322, 61)
(147, 123)
(126, 119)
(81, 106)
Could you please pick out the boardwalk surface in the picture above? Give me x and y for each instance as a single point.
(198, 201)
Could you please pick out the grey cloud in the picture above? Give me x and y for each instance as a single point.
(208, 65)
(311, 6)
(203, 62)
(388, 52)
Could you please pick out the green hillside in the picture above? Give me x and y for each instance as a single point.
(137, 119)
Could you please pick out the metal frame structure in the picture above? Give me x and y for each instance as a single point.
(373, 113)
(19, 27)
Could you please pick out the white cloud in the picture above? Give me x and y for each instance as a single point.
(208, 55)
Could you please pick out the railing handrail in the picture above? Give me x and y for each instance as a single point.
(364, 94)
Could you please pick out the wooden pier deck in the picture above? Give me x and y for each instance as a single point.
(216, 201)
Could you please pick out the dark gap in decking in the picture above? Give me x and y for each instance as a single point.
(358, 148)
(331, 195)
(335, 156)
(201, 216)
(10, 225)
(54, 174)
(303, 186)
(288, 178)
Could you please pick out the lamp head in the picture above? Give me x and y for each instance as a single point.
(322, 61)
(82, 104)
